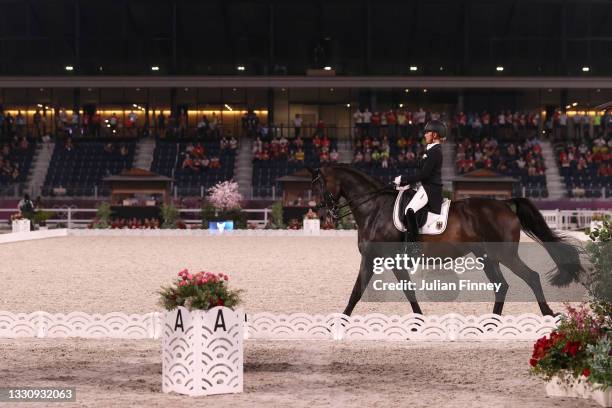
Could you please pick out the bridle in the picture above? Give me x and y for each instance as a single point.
(331, 204)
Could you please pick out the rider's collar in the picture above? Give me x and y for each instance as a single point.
(430, 145)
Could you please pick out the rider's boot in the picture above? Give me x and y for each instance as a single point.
(411, 237)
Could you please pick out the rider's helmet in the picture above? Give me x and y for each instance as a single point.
(436, 126)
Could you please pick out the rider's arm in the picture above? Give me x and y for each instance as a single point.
(424, 173)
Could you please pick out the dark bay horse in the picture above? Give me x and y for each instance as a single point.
(472, 223)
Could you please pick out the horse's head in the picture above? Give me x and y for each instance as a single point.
(326, 187)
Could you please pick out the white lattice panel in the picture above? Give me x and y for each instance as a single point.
(202, 352)
(295, 326)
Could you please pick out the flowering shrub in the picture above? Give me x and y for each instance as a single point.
(225, 196)
(17, 217)
(200, 291)
(576, 348)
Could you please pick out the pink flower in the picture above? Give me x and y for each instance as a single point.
(226, 277)
(183, 283)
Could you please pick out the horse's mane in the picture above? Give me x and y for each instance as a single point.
(375, 183)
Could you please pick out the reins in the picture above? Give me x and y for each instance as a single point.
(334, 208)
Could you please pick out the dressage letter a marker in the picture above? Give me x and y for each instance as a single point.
(220, 322)
(179, 321)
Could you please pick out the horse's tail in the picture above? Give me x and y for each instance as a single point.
(565, 255)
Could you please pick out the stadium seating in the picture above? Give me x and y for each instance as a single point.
(80, 169)
(168, 160)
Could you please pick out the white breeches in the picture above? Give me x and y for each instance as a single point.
(418, 201)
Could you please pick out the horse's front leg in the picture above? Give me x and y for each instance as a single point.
(363, 278)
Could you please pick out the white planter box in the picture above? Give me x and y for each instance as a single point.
(202, 351)
(21, 225)
(312, 227)
(578, 388)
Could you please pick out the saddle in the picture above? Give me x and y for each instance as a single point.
(429, 223)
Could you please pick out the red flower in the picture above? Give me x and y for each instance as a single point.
(572, 348)
(220, 302)
(586, 372)
(533, 362)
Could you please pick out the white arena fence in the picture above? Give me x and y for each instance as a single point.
(296, 326)
(72, 217)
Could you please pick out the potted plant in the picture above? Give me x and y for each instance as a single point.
(576, 358)
(170, 217)
(19, 223)
(276, 216)
(225, 199)
(103, 216)
(41, 217)
(597, 221)
(202, 339)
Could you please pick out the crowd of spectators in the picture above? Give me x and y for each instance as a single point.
(282, 149)
(503, 158)
(586, 166)
(9, 167)
(196, 159)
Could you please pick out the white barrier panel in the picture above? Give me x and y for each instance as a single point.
(204, 233)
(296, 326)
(202, 351)
(30, 235)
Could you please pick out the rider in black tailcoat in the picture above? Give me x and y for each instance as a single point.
(428, 177)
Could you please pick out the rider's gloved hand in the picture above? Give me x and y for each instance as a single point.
(397, 181)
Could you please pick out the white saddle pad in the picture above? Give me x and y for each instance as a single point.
(435, 224)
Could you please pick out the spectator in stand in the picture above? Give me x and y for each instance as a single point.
(367, 121)
(113, 122)
(20, 123)
(297, 124)
(300, 155)
(130, 124)
(334, 156)
(223, 143)
(358, 120)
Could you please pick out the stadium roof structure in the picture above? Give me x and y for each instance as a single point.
(289, 37)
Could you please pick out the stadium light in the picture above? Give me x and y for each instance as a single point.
(413, 68)
(69, 68)
(575, 103)
(406, 90)
(348, 105)
(401, 105)
(327, 68)
(240, 68)
(154, 68)
(499, 68)
(586, 69)
(229, 108)
(425, 90)
(568, 106)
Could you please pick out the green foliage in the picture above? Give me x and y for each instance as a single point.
(201, 291)
(237, 215)
(41, 217)
(599, 283)
(601, 362)
(170, 216)
(276, 216)
(103, 216)
(208, 213)
(346, 221)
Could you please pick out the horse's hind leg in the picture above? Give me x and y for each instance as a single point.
(494, 273)
(531, 277)
(365, 273)
(410, 295)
